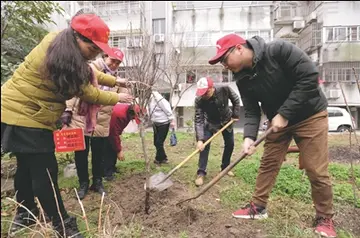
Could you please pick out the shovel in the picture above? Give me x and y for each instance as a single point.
(227, 169)
(160, 180)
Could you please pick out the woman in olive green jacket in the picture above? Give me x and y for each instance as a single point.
(34, 99)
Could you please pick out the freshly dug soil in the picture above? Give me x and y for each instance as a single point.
(344, 154)
(168, 220)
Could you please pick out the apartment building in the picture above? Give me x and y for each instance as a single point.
(185, 33)
(193, 27)
(329, 32)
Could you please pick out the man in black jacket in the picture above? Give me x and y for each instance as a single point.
(284, 80)
(212, 112)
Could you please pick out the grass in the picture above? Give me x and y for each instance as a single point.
(290, 205)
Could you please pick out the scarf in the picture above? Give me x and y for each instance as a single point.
(106, 70)
(89, 110)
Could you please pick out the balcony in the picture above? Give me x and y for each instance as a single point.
(189, 5)
(113, 8)
(287, 14)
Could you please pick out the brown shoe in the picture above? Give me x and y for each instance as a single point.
(231, 174)
(200, 180)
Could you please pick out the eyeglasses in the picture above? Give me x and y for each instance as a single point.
(224, 59)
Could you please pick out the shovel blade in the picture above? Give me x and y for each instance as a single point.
(154, 182)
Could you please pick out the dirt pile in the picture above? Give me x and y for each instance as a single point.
(168, 220)
(344, 154)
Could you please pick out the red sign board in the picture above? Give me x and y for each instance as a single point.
(68, 140)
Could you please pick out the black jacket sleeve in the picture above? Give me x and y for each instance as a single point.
(252, 113)
(303, 71)
(199, 121)
(235, 100)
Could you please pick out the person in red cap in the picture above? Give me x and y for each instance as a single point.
(33, 99)
(120, 118)
(285, 80)
(212, 112)
(98, 137)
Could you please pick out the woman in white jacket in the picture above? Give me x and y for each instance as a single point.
(162, 119)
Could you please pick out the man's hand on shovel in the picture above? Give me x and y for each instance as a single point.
(248, 147)
(200, 145)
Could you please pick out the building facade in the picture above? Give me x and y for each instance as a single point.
(185, 34)
(328, 31)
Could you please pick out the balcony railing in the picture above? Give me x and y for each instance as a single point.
(287, 13)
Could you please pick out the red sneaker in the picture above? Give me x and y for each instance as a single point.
(325, 227)
(251, 211)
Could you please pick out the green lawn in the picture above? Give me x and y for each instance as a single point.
(290, 206)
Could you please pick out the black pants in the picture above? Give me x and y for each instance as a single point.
(228, 150)
(110, 157)
(160, 134)
(81, 159)
(31, 179)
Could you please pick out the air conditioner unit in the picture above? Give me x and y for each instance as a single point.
(159, 38)
(333, 93)
(298, 25)
(311, 18)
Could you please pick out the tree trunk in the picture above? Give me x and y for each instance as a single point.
(147, 167)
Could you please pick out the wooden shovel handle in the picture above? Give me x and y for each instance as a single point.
(227, 169)
(196, 151)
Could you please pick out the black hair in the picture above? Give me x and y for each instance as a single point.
(65, 65)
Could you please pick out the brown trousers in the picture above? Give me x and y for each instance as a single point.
(311, 136)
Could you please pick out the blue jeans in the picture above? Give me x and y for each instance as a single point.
(228, 150)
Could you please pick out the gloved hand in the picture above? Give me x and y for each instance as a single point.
(66, 118)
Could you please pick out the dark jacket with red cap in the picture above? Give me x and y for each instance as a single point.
(215, 112)
(284, 80)
(120, 118)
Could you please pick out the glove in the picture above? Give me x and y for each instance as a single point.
(66, 118)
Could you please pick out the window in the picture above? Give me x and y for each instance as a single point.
(134, 42)
(158, 61)
(159, 26)
(118, 41)
(190, 76)
(338, 114)
(350, 33)
(121, 72)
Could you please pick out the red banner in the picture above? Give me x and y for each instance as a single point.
(68, 140)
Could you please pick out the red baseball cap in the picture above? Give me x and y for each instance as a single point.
(224, 44)
(119, 54)
(95, 29)
(203, 85)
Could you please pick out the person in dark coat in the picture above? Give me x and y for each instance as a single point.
(284, 80)
(212, 112)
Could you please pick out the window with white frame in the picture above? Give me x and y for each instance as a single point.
(336, 34)
(118, 41)
(134, 42)
(159, 26)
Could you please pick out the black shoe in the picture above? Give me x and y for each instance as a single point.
(23, 220)
(84, 186)
(165, 161)
(97, 186)
(109, 177)
(116, 170)
(71, 229)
